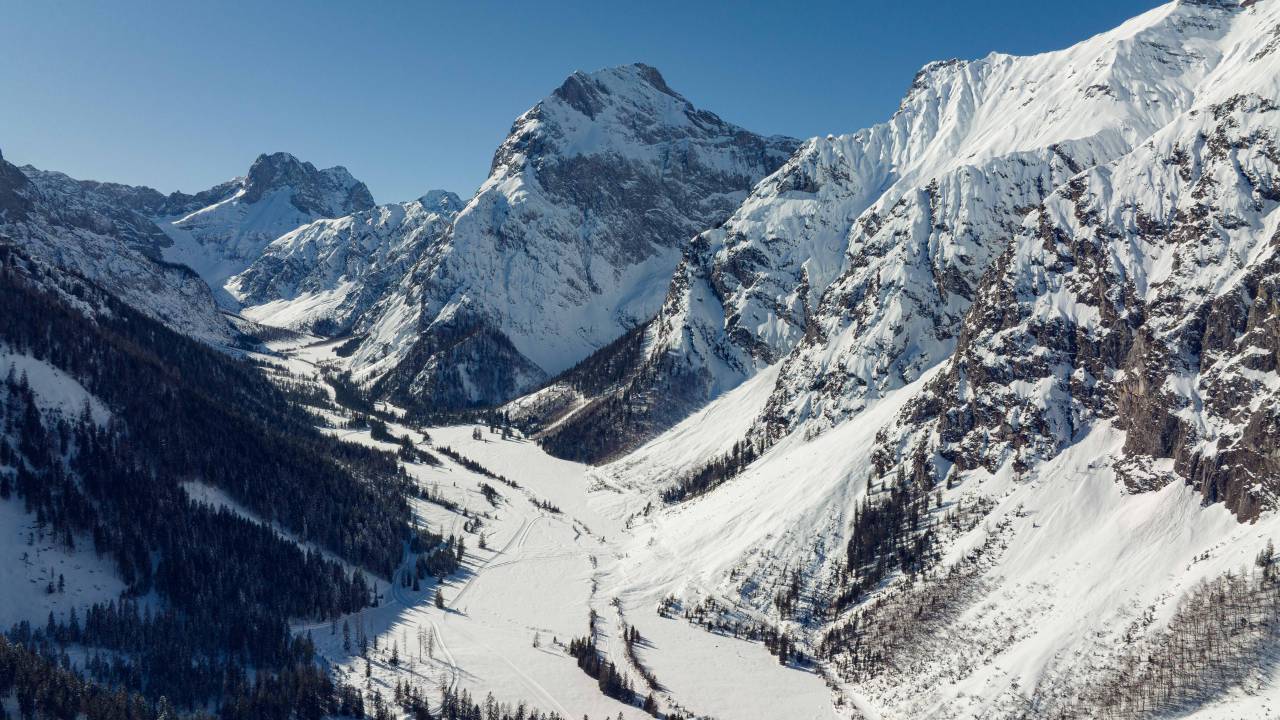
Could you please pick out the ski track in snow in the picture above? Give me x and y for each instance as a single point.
(444, 648)
(517, 539)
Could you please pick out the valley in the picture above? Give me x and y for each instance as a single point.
(617, 550)
(539, 578)
(970, 413)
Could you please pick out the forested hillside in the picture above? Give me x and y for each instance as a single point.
(212, 592)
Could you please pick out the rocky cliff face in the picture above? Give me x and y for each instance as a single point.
(1140, 294)
(570, 242)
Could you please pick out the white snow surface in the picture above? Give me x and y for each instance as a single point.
(1081, 560)
(540, 576)
(30, 559)
(54, 390)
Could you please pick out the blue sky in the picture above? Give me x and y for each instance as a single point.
(412, 96)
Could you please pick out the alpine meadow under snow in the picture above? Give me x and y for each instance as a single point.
(974, 413)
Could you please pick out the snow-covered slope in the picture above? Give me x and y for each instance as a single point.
(280, 193)
(34, 561)
(328, 276)
(865, 250)
(1042, 581)
(569, 243)
(103, 232)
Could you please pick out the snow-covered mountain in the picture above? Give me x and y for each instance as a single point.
(1016, 458)
(103, 231)
(568, 244)
(915, 265)
(280, 193)
(855, 262)
(328, 276)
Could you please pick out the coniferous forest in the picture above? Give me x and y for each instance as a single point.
(227, 586)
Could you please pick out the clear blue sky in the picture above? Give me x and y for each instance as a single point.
(412, 96)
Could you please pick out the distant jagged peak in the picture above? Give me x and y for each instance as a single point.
(329, 192)
(443, 202)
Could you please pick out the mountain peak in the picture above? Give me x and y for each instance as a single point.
(330, 192)
(441, 201)
(637, 73)
(13, 204)
(589, 93)
(277, 159)
(627, 110)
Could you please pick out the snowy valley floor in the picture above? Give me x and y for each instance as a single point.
(1077, 562)
(539, 577)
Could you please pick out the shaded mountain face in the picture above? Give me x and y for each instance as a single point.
(569, 243)
(332, 276)
(139, 243)
(855, 263)
(152, 203)
(102, 231)
(280, 193)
